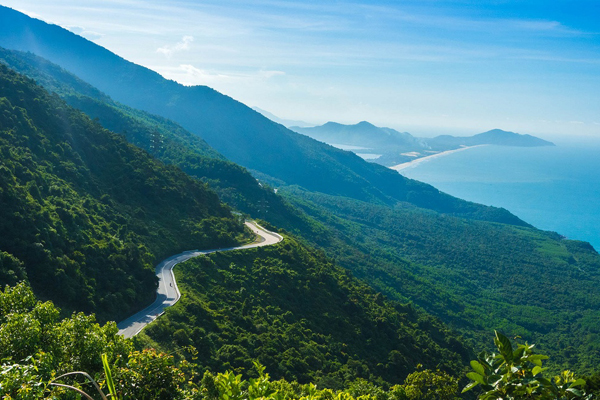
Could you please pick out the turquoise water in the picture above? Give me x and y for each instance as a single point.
(552, 188)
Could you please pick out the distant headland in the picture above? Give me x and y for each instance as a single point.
(392, 148)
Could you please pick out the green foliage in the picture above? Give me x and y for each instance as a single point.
(50, 362)
(47, 367)
(229, 386)
(11, 269)
(30, 328)
(518, 374)
(110, 384)
(149, 375)
(36, 345)
(83, 215)
(300, 316)
(473, 275)
(39, 351)
(430, 385)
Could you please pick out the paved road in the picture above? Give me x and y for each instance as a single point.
(168, 294)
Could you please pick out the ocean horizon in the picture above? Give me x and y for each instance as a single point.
(552, 188)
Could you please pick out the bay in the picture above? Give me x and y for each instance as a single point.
(552, 188)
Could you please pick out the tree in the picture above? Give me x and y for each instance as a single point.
(517, 374)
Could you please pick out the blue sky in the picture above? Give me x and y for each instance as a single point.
(427, 66)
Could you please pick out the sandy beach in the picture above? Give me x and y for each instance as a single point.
(414, 163)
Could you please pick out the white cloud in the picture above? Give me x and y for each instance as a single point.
(429, 17)
(577, 122)
(183, 45)
(187, 74)
(29, 13)
(198, 75)
(90, 35)
(270, 74)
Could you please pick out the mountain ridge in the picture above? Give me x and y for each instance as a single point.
(493, 136)
(239, 133)
(363, 134)
(393, 147)
(285, 122)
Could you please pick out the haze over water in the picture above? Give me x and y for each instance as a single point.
(552, 188)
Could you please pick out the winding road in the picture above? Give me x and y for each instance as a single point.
(168, 294)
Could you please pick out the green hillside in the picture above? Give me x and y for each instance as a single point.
(34, 360)
(302, 317)
(476, 276)
(163, 138)
(83, 215)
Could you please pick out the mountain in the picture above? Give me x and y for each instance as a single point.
(285, 122)
(392, 147)
(406, 239)
(164, 139)
(244, 136)
(363, 134)
(84, 215)
(495, 137)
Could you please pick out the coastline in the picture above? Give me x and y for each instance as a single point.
(414, 163)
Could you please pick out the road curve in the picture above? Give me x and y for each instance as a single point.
(168, 294)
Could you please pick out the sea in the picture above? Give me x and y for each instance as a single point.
(553, 188)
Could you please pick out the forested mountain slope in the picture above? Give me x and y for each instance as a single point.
(235, 130)
(163, 138)
(476, 276)
(301, 316)
(84, 215)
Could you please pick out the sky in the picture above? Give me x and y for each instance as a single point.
(427, 66)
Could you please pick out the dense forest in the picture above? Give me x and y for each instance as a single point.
(74, 357)
(162, 138)
(84, 216)
(302, 317)
(473, 275)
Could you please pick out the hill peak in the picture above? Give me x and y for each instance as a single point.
(502, 137)
(365, 124)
